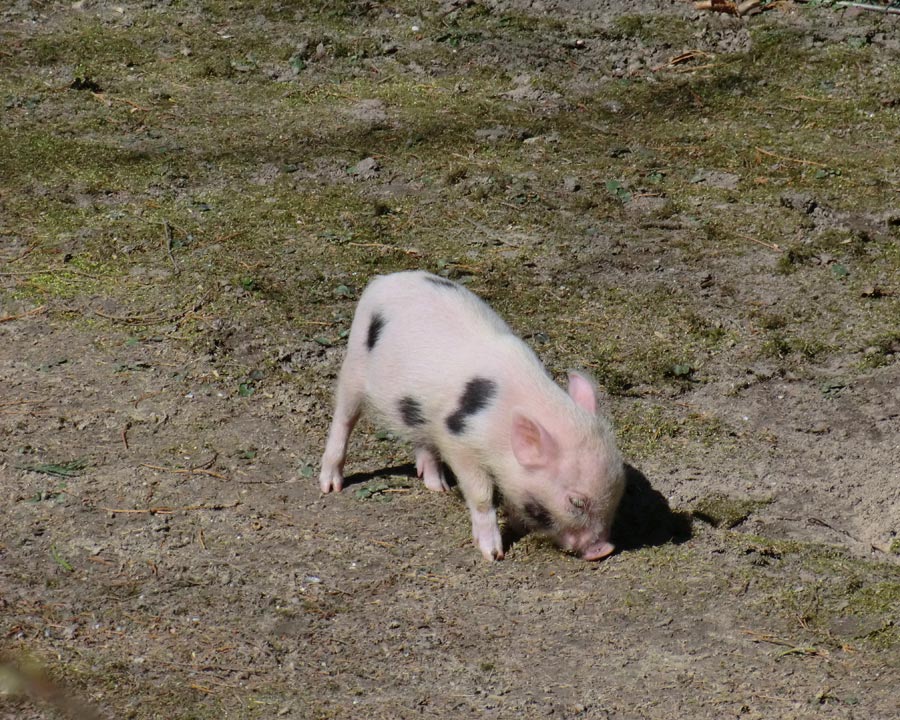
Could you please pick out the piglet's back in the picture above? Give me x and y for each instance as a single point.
(420, 322)
(434, 306)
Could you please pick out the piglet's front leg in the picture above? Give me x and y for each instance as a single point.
(486, 532)
(347, 409)
(478, 490)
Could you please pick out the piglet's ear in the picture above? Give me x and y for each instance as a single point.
(583, 392)
(532, 445)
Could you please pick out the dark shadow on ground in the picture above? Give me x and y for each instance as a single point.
(645, 518)
(358, 478)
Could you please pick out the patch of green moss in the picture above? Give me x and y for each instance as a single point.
(723, 511)
(881, 350)
(770, 320)
(645, 429)
(793, 257)
(529, 23)
(70, 282)
(93, 46)
(65, 167)
(877, 598)
(749, 543)
(832, 241)
(835, 599)
(668, 339)
(781, 344)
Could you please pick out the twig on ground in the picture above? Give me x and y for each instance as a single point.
(34, 311)
(383, 246)
(229, 236)
(27, 252)
(186, 471)
(49, 271)
(15, 402)
(723, 6)
(789, 159)
(167, 510)
(792, 649)
(817, 99)
(169, 240)
(682, 58)
(146, 396)
(887, 9)
(802, 651)
(694, 68)
(104, 98)
(771, 246)
(822, 523)
(133, 319)
(72, 468)
(729, 7)
(155, 319)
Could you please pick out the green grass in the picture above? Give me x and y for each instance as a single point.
(244, 144)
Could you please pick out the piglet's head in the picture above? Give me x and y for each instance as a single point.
(574, 473)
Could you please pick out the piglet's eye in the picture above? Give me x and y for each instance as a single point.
(576, 502)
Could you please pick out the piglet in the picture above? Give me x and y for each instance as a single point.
(445, 372)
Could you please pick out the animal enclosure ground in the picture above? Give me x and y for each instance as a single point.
(700, 209)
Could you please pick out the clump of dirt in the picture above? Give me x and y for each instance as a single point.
(698, 208)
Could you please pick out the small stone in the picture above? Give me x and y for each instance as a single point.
(571, 184)
(612, 106)
(798, 201)
(498, 133)
(366, 168)
(717, 179)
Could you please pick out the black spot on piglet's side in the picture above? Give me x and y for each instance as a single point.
(374, 330)
(536, 514)
(476, 396)
(411, 411)
(441, 282)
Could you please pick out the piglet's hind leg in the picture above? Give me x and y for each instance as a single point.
(429, 469)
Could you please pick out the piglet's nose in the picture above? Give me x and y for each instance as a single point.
(598, 550)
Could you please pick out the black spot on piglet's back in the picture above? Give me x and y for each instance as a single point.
(476, 396)
(441, 282)
(374, 330)
(411, 411)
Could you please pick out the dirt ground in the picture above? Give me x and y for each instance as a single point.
(702, 210)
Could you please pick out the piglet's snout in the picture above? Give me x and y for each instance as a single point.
(586, 544)
(598, 550)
